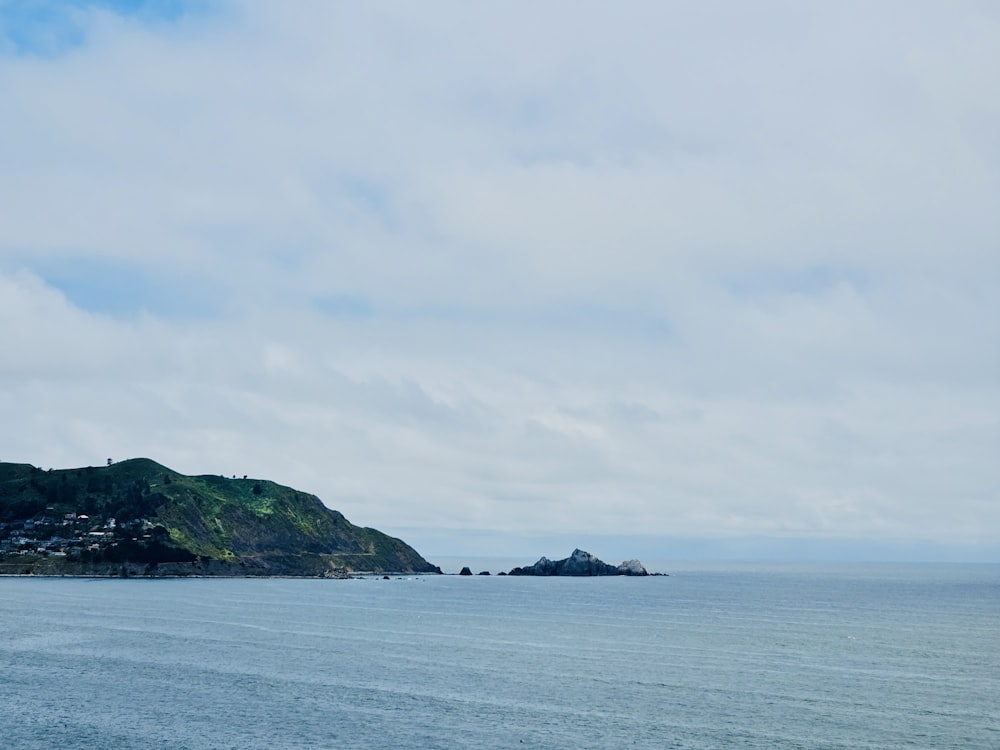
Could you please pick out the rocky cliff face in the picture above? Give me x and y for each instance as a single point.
(580, 563)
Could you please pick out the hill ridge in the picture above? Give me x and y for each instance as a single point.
(138, 516)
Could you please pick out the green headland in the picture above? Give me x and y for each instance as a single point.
(138, 518)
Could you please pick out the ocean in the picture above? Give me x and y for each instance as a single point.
(711, 656)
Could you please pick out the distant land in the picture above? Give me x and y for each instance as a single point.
(138, 518)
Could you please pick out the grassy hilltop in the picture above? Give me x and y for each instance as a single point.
(138, 517)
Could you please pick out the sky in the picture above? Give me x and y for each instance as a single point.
(667, 278)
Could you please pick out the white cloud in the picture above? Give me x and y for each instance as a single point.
(657, 268)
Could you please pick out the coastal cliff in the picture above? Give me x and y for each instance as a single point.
(138, 517)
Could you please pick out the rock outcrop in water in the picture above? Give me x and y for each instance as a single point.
(580, 563)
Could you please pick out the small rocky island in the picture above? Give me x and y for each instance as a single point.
(580, 563)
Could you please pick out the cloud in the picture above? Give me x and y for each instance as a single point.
(661, 268)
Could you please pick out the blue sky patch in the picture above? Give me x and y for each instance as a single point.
(48, 28)
(121, 290)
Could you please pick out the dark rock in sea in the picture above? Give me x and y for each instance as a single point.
(580, 563)
(465, 571)
(484, 572)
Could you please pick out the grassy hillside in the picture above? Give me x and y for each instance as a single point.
(138, 512)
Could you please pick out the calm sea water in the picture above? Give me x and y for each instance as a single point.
(752, 657)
